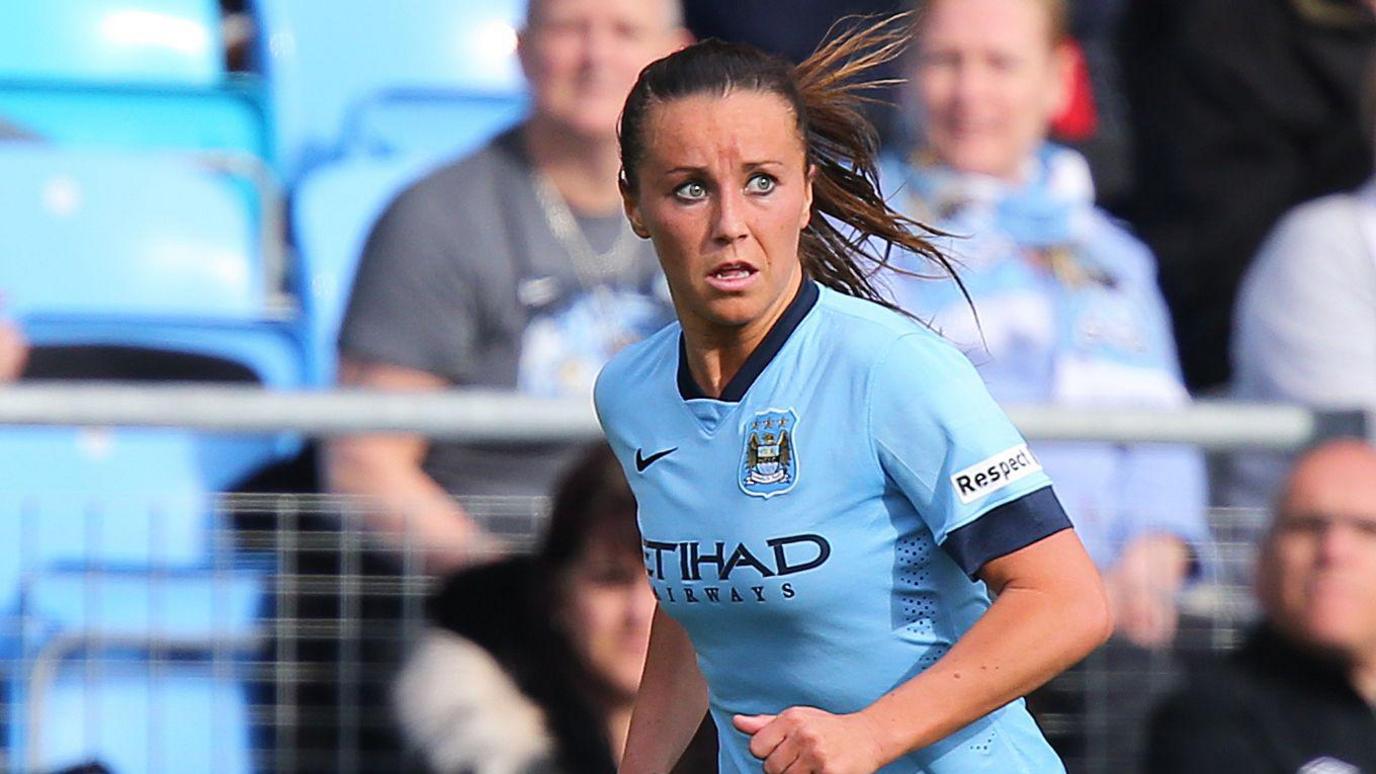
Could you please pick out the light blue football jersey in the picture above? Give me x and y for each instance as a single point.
(816, 528)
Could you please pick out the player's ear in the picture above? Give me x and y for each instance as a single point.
(630, 202)
(806, 215)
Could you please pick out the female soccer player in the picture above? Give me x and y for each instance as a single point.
(825, 488)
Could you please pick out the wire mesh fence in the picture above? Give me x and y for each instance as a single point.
(242, 633)
(263, 632)
(1096, 714)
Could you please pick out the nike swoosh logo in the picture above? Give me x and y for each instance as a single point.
(641, 463)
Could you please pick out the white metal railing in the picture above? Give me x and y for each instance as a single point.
(488, 416)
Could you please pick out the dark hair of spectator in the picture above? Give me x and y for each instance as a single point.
(826, 93)
(592, 503)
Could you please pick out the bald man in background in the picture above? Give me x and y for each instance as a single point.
(1300, 695)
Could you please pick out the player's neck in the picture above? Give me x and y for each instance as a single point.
(581, 168)
(714, 367)
(716, 353)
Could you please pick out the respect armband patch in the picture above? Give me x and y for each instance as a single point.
(990, 475)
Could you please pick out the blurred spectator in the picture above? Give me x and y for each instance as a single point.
(511, 269)
(1310, 287)
(14, 351)
(1067, 307)
(533, 664)
(1307, 307)
(1302, 331)
(1300, 695)
(1241, 109)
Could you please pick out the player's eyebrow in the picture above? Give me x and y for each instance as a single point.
(745, 165)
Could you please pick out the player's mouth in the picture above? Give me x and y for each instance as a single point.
(732, 276)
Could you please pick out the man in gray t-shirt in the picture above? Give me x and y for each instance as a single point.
(511, 269)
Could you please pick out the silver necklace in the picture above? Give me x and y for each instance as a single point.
(591, 267)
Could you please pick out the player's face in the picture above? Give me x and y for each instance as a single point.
(724, 192)
(606, 613)
(581, 57)
(988, 82)
(1318, 572)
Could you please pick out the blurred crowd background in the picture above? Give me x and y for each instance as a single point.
(1150, 202)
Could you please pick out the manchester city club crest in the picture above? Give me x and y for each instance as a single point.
(769, 461)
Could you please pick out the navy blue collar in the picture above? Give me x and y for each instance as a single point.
(792, 317)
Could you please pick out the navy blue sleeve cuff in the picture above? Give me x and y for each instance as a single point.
(1005, 529)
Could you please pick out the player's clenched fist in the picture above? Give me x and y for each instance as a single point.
(806, 740)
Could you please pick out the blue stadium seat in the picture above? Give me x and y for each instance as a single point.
(175, 607)
(126, 624)
(97, 233)
(132, 497)
(119, 116)
(335, 209)
(137, 715)
(442, 124)
(323, 60)
(272, 351)
(132, 41)
(143, 672)
(268, 353)
(122, 498)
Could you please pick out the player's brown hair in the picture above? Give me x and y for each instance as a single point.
(852, 229)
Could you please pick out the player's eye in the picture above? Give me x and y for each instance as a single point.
(691, 191)
(761, 184)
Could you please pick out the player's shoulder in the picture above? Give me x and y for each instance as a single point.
(862, 324)
(883, 339)
(627, 375)
(653, 352)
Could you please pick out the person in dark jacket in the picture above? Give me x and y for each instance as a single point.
(1300, 696)
(1240, 110)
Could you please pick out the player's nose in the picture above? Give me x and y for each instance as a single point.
(728, 225)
